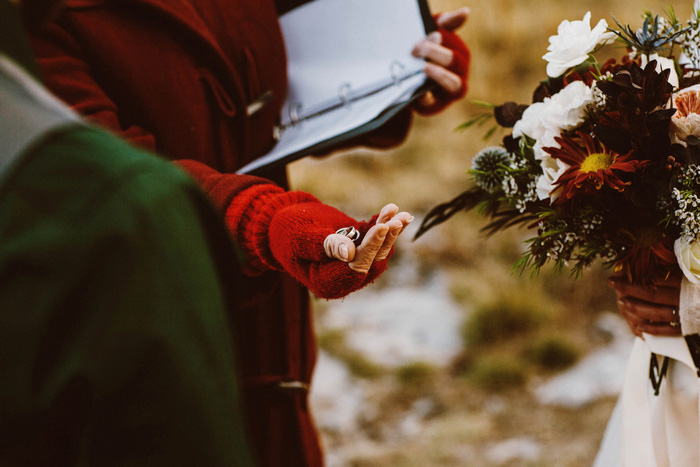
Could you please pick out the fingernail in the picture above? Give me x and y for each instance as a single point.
(343, 251)
(410, 220)
(416, 52)
(435, 37)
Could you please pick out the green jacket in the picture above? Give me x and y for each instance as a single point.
(116, 281)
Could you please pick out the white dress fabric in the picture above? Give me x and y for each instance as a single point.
(647, 430)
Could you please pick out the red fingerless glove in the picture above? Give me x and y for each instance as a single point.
(461, 59)
(285, 231)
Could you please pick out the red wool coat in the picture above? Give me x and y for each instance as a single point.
(177, 77)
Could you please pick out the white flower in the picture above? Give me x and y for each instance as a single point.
(568, 105)
(684, 59)
(688, 255)
(543, 121)
(573, 42)
(536, 124)
(662, 63)
(552, 169)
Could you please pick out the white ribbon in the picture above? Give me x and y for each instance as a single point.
(689, 307)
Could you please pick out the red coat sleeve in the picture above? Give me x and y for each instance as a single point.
(227, 190)
(221, 188)
(67, 74)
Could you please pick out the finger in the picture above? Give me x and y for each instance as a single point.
(635, 329)
(339, 247)
(427, 100)
(645, 318)
(430, 49)
(386, 213)
(637, 332)
(659, 329)
(395, 229)
(447, 80)
(647, 312)
(405, 219)
(663, 295)
(632, 322)
(367, 251)
(452, 20)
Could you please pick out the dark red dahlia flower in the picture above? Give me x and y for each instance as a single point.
(592, 166)
(647, 255)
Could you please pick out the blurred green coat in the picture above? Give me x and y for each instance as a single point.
(116, 277)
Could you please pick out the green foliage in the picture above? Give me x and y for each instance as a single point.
(515, 314)
(481, 118)
(334, 342)
(416, 374)
(497, 373)
(362, 367)
(551, 352)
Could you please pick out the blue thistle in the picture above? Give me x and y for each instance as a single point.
(489, 168)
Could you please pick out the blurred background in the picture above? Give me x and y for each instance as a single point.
(450, 358)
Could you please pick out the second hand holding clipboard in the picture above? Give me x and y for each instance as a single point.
(350, 70)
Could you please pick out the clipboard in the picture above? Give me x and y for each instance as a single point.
(350, 71)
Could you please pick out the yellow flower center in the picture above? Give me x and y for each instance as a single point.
(597, 161)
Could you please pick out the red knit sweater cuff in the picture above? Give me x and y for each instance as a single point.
(248, 217)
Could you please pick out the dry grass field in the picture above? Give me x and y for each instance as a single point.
(507, 39)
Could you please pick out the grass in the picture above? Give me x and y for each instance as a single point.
(334, 342)
(497, 373)
(551, 352)
(509, 316)
(417, 375)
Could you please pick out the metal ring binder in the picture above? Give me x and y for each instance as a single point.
(343, 90)
(294, 111)
(394, 73)
(347, 95)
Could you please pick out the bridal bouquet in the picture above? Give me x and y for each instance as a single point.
(605, 163)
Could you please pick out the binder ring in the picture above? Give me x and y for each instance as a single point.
(343, 93)
(294, 110)
(395, 68)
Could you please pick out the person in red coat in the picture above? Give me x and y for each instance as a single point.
(177, 77)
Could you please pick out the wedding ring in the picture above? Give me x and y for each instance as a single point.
(674, 311)
(675, 324)
(351, 232)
